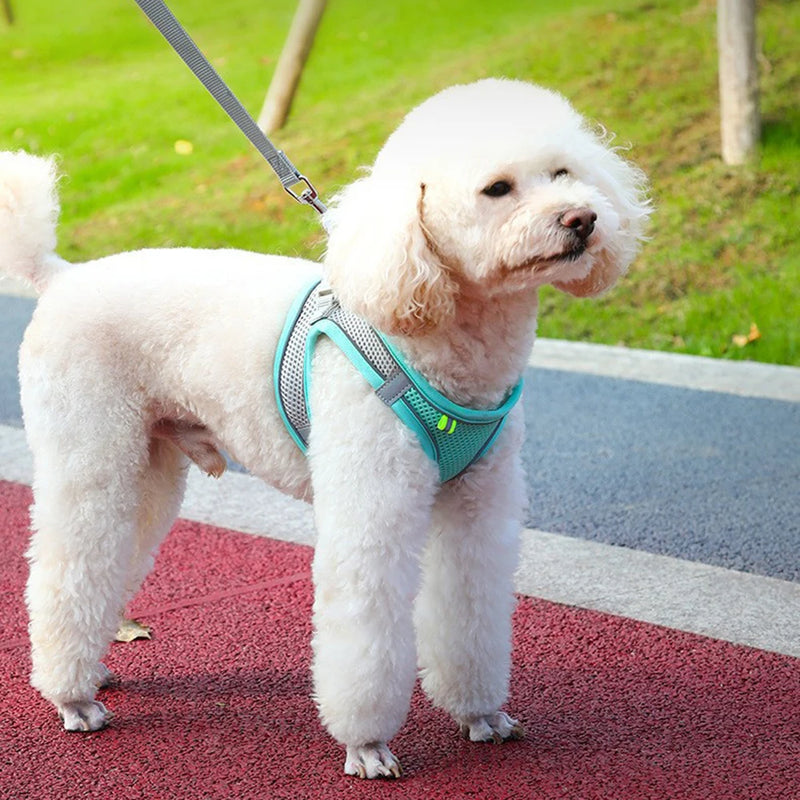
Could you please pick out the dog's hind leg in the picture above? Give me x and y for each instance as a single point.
(161, 489)
(463, 611)
(85, 518)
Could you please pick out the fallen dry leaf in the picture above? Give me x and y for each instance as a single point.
(742, 340)
(130, 629)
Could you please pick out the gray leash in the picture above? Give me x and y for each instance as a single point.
(291, 178)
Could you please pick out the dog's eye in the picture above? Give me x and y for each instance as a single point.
(561, 173)
(497, 189)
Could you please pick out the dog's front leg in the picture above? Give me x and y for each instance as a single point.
(463, 612)
(373, 492)
(366, 573)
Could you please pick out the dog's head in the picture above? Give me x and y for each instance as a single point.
(496, 186)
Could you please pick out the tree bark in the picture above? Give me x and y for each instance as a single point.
(738, 79)
(290, 65)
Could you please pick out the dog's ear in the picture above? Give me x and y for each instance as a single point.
(380, 260)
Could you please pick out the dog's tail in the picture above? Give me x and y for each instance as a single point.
(28, 218)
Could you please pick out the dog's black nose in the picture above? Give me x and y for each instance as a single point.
(580, 221)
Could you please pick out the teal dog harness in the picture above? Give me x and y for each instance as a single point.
(452, 435)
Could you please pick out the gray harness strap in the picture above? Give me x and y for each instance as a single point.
(289, 379)
(317, 304)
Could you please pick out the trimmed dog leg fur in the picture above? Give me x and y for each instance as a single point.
(85, 528)
(161, 488)
(366, 570)
(463, 611)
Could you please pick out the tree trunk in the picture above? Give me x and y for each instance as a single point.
(738, 79)
(290, 65)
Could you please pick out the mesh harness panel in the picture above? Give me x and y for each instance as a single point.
(452, 435)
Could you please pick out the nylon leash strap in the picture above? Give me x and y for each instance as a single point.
(292, 180)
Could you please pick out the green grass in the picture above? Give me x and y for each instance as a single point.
(94, 82)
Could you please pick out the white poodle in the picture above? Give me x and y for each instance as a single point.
(136, 363)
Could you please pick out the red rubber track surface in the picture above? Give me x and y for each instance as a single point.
(218, 704)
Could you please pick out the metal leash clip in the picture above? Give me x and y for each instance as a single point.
(291, 178)
(308, 195)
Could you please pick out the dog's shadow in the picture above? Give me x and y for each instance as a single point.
(242, 683)
(247, 702)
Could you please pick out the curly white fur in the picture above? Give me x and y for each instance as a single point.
(136, 363)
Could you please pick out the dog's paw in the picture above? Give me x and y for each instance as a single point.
(90, 715)
(497, 728)
(372, 761)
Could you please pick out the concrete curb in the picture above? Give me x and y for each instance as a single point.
(744, 378)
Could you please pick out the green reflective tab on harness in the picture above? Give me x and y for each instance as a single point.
(452, 435)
